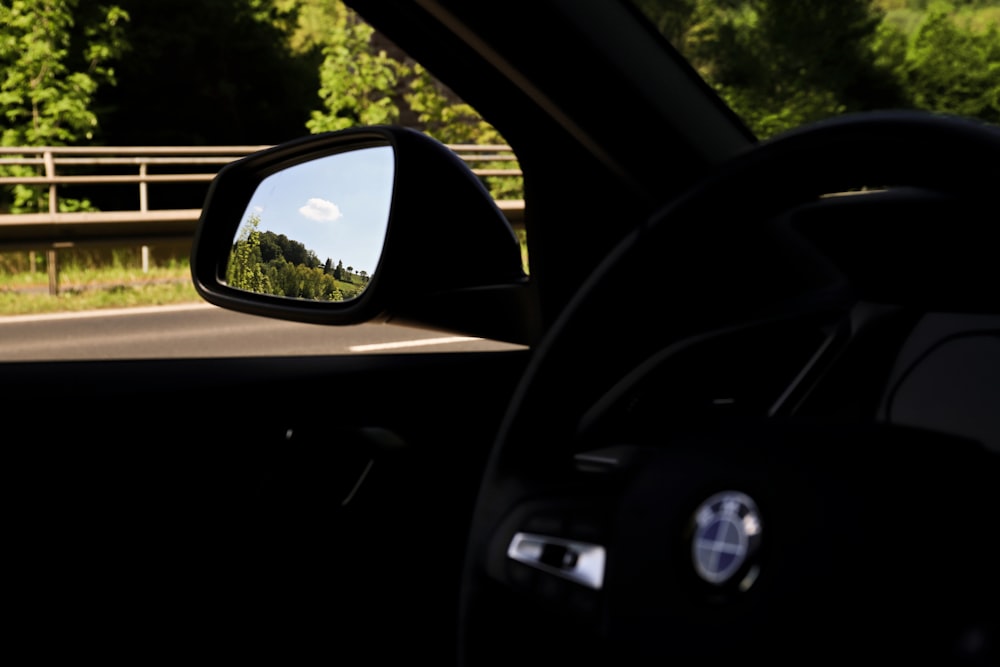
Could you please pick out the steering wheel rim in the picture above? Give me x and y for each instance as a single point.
(532, 471)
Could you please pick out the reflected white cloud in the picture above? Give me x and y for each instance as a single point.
(321, 210)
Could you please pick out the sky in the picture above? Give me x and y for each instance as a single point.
(337, 205)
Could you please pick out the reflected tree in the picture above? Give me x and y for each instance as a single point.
(244, 270)
(268, 263)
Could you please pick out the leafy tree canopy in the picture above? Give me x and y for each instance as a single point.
(780, 64)
(54, 55)
(203, 72)
(206, 72)
(938, 80)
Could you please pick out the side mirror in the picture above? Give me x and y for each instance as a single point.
(376, 223)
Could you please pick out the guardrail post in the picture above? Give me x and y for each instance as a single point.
(50, 172)
(53, 256)
(143, 188)
(143, 207)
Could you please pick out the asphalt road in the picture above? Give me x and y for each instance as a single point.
(203, 330)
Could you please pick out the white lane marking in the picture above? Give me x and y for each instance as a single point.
(108, 312)
(410, 343)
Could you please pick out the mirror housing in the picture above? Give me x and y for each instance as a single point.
(450, 261)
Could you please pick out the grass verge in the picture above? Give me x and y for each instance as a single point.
(24, 294)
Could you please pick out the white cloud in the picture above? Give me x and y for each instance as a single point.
(321, 210)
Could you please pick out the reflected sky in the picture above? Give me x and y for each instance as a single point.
(336, 206)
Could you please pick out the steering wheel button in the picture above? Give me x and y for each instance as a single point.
(579, 562)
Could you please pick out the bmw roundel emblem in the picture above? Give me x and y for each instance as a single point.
(727, 531)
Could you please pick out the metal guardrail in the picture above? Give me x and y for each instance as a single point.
(55, 166)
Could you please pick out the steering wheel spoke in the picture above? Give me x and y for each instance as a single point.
(551, 547)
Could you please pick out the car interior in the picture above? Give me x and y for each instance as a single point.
(752, 414)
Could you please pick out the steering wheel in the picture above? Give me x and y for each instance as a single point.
(655, 494)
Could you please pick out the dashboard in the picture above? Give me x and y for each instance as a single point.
(899, 324)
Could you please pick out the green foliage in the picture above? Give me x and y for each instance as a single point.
(74, 299)
(356, 82)
(244, 270)
(308, 23)
(53, 57)
(951, 69)
(443, 118)
(361, 83)
(780, 64)
(94, 278)
(274, 246)
(677, 19)
(269, 263)
(455, 122)
(49, 78)
(208, 72)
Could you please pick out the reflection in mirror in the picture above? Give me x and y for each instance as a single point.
(315, 230)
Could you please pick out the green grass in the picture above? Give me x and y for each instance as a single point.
(82, 288)
(92, 280)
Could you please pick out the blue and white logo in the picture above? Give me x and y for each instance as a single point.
(727, 532)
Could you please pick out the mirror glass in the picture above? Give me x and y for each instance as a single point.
(315, 230)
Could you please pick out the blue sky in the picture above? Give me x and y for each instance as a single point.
(336, 206)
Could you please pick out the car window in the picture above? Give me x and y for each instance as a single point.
(782, 64)
(100, 191)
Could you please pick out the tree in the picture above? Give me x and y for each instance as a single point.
(244, 270)
(452, 121)
(52, 66)
(50, 78)
(294, 252)
(789, 63)
(365, 79)
(779, 63)
(205, 72)
(675, 19)
(951, 69)
(357, 83)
